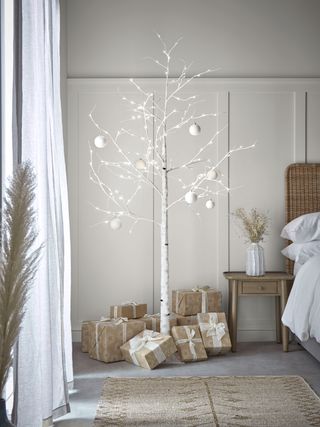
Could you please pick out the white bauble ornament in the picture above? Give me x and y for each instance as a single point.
(141, 164)
(195, 129)
(115, 224)
(212, 174)
(100, 141)
(210, 204)
(191, 197)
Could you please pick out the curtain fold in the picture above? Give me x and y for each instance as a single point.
(44, 350)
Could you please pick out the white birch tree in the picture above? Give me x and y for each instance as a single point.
(153, 169)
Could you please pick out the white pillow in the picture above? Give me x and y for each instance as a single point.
(301, 252)
(303, 229)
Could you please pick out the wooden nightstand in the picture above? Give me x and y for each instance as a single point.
(275, 284)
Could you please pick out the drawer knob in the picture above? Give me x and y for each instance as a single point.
(261, 288)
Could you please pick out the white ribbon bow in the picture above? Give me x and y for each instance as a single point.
(139, 342)
(149, 339)
(201, 289)
(149, 316)
(116, 321)
(190, 340)
(215, 329)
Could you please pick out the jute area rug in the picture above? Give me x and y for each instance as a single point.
(285, 401)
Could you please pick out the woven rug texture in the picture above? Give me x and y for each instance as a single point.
(269, 401)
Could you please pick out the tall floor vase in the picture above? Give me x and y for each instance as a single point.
(4, 422)
(255, 260)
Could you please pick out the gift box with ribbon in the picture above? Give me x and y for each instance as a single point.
(214, 332)
(188, 302)
(108, 335)
(129, 309)
(152, 321)
(186, 320)
(148, 349)
(189, 343)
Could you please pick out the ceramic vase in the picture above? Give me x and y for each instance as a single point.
(255, 260)
(4, 422)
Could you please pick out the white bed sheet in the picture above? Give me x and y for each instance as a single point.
(302, 312)
(296, 268)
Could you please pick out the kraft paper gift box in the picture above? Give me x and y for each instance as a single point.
(85, 336)
(131, 310)
(152, 321)
(186, 320)
(148, 349)
(108, 335)
(188, 302)
(189, 343)
(214, 332)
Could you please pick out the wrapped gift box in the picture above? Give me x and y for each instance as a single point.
(85, 336)
(188, 302)
(148, 349)
(186, 320)
(107, 336)
(131, 310)
(214, 332)
(189, 343)
(152, 321)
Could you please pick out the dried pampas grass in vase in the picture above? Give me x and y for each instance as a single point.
(18, 265)
(254, 225)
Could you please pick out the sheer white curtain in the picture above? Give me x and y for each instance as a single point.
(44, 363)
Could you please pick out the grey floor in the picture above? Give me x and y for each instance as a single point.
(250, 359)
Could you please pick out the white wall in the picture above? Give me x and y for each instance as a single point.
(244, 38)
(110, 267)
(111, 38)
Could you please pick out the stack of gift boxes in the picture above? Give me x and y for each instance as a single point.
(198, 330)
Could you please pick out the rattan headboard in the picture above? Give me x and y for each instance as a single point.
(302, 192)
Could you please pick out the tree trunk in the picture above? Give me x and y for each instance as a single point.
(164, 308)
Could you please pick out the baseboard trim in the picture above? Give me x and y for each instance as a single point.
(76, 336)
(245, 335)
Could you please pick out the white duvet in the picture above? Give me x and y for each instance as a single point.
(302, 312)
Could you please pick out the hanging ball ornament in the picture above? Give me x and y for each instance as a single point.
(115, 224)
(141, 164)
(100, 141)
(212, 174)
(191, 197)
(210, 204)
(195, 129)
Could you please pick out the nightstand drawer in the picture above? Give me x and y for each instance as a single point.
(259, 288)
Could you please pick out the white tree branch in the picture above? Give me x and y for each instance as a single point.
(195, 158)
(114, 141)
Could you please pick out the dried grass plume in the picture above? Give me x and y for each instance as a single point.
(254, 224)
(18, 261)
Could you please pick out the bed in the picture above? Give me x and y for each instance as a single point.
(303, 197)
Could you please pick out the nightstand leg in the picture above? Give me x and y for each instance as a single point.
(278, 319)
(229, 305)
(285, 330)
(233, 313)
